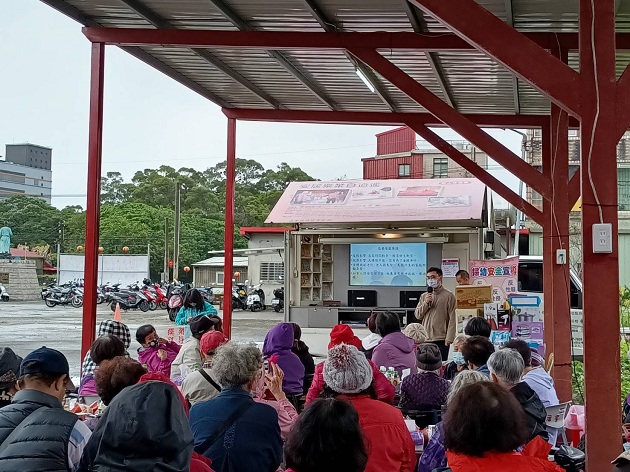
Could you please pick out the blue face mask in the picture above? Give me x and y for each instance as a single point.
(458, 358)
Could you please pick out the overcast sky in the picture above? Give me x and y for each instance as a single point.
(149, 119)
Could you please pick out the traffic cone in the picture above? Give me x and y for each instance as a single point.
(117, 315)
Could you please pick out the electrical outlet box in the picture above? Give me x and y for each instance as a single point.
(561, 256)
(602, 238)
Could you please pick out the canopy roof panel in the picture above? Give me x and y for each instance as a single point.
(326, 79)
(390, 203)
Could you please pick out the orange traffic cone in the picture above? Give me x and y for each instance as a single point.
(117, 315)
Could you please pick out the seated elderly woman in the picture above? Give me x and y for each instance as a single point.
(492, 409)
(426, 389)
(434, 454)
(233, 430)
(458, 364)
(114, 375)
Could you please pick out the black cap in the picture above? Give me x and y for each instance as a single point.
(201, 324)
(45, 361)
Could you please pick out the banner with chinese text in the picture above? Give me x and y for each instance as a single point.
(502, 274)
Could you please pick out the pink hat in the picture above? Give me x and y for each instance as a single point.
(211, 340)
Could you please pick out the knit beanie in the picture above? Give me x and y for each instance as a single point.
(342, 333)
(416, 332)
(211, 340)
(346, 370)
(428, 357)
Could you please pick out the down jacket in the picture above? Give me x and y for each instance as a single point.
(384, 389)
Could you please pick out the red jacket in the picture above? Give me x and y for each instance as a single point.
(384, 388)
(500, 462)
(389, 443)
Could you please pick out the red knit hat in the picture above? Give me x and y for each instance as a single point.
(342, 333)
(211, 340)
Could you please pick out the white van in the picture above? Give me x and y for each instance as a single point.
(530, 281)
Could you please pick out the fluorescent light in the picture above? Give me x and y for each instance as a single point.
(365, 80)
(389, 235)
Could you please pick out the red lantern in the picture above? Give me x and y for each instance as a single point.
(101, 249)
(79, 248)
(186, 269)
(237, 275)
(125, 249)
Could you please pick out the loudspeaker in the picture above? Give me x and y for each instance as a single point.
(362, 298)
(410, 298)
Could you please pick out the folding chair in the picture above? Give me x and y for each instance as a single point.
(555, 418)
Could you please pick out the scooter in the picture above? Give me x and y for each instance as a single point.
(175, 294)
(239, 296)
(4, 295)
(129, 300)
(278, 302)
(256, 298)
(64, 297)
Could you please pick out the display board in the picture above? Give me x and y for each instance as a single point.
(112, 268)
(393, 264)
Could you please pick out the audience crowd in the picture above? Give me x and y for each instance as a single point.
(387, 403)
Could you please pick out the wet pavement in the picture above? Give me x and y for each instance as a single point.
(25, 326)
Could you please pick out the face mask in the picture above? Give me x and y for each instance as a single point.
(154, 343)
(433, 283)
(458, 358)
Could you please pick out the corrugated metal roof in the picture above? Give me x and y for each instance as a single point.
(326, 79)
(219, 261)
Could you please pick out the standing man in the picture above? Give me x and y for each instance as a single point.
(462, 277)
(436, 311)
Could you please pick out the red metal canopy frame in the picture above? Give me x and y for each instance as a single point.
(592, 99)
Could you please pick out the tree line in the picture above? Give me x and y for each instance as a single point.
(133, 214)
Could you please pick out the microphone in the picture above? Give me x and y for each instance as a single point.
(430, 290)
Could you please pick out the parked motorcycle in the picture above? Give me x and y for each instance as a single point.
(256, 298)
(129, 300)
(63, 296)
(175, 294)
(239, 296)
(207, 294)
(162, 299)
(4, 295)
(278, 302)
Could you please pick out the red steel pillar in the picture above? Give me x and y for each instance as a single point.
(230, 177)
(92, 214)
(599, 205)
(556, 238)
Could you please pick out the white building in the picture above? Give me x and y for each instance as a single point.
(26, 170)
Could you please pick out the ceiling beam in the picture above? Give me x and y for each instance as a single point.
(509, 18)
(420, 26)
(278, 40)
(281, 58)
(162, 24)
(329, 26)
(385, 118)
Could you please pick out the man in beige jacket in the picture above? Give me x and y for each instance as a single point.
(436, 312)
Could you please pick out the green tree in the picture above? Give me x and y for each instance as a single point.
(114, 189)
(280, 178)
(33, 221)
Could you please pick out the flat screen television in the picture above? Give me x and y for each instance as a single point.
(388, 263)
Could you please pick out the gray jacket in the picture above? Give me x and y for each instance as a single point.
(34, 433)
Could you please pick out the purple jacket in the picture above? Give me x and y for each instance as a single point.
(277, 348)
(422, 391)
(434, 455)
(395, 350)
(149, 357)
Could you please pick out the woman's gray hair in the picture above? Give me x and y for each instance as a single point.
(462, 379)
(236, 365)
(460, 338)
(507, 364)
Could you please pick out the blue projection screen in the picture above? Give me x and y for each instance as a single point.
(393, 264)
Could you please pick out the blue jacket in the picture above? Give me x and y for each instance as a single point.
(252, 443)
(184, 313)
(484, 370)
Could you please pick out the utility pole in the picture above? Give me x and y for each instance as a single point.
(176, 232)
(166, 268)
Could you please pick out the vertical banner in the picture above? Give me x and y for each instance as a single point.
(502, 274)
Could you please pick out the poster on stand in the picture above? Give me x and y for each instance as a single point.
(450, 267)
(502, 274)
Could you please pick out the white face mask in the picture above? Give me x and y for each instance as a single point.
(433, 283)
